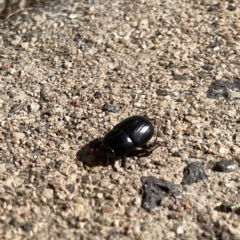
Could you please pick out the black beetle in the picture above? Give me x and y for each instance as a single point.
(125, 137)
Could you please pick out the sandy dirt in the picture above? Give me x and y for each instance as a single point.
(71, 71)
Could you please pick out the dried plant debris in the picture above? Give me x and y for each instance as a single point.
(193, 173)
(154, 190)
(226, 166)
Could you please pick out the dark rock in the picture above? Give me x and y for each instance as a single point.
(27, 227)
(109, 107)
(109, 73)
(73, 222)
(214, 8)
(193, 173)
(86, 117)
(231, 7)
(217, 90)
(177, 154)
(113, 234)
(225, 166)
(77, 38)
(170, 65)
(43, 128)
(70, 187)
(237, 211)
(214, 44)
(177, 194)
(179, 77)
(207, 67)
(97, 95)
(12, 221)
(162, 92)
(222, 88)
(226, 207)
(154, 190)
(58, 164)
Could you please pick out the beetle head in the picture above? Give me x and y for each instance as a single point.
(106, 152)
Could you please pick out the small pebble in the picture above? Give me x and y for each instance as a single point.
(202, 217)
(97, 95)
(25, 45)
(177, 195)
(17, 136)
(176, 94)
(86, 178)
(177, 154)
(131, 211)
(34, 107)
(237, 137)
(63, 131)
(161, 92)
(107, 209)
(137, 201)
(176, 215)
(2, 168)
(78, 200)
(179, 78)
(207, 67)
(58, 164)
(137, 229)
(187, 206)
(109, 108)
(70, 187)
(115, 176)
(225, 166)
(168, 131)
(193, 173)
(12, 71)
(173, 149)
(99, 195)
(45, 92)
(154, 190)
(111, 197)
(137, 104)
(170, 65)
(226, 207)
(27, 227)
(177, 229)
(113, 235)
(47, 193)
(237, 211)
(145, 236)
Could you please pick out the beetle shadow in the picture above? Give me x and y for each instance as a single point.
(88, 154)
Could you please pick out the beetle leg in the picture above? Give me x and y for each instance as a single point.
(124, 161)
(154, 145)
(146, 150)
(113, 166)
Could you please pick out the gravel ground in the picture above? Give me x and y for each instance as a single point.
(70, 72)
